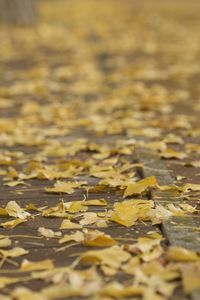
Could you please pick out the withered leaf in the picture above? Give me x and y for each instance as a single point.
(140, 186)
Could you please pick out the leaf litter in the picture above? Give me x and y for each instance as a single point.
(81, 153)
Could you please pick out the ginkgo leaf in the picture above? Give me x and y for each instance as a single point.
(92, 218)
(75, 206)
(78, 236)
(190, 277)
(12, 224)
(14, 210)
(65, 187)
(5, 241)
(128, 212)
(118, 291)
(15, 183)
(113, 257)
(181, 254)
(14, 252)
(98, 239)
(49, 233)
(67, 224)
(140, 186)
(191, 187)
(83, 283)
(4, 281)
(170, 153)
(3, 212)
(129, 267)
(27, 265)
(22, 293)
(147, 248)
(95, 202)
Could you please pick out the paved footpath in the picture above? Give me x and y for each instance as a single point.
(99, 152)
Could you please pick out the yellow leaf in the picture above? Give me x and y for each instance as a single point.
(92, 218)
(140, 186)
(27, 265)
(128, 212)
(65, 187)
(48, 233)
(190, 277)
(113, 257)
(3, 212)
(98, 239)
(75, 206)
(15, 183)
(147, 248)
(170, 153)
(12, 224)
(4, 281)
(181, 254)
(14, 210)
(22, 293)
(119, 291)
(15, 252)
(76, 237)
(98, 202)
(67, 224)
(191, 187)
(129, 268)
(5, 241)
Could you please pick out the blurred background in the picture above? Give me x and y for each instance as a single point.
(93, 49)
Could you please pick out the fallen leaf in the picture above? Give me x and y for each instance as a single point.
(12, 224)
(27, 265)
(67, 224)
(65, 187)
(14, 210)
(181, 254)
(48, 233)
(140, 186)
(4, 281)
(190, 277)
(170, 153)
(14, 252)
(23, 293)
(5, 241)
(112, 257)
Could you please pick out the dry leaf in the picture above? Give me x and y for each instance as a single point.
(5, 241)
(191, 187)
(65, 187)
(14, 210)
(12, 224)
(67, 224)
(140, 186)
(170, 153)
(14, 252)
(98, 239)
(181, 254)
(190, 277)
(27, 265)
(112, 257)
(48, 233)
(22, 293)
(4, 281)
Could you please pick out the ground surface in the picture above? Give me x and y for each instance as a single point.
(96, 98)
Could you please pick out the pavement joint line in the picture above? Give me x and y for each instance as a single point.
(170, 230)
